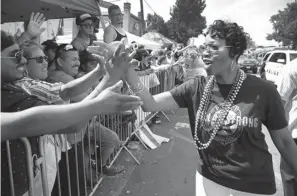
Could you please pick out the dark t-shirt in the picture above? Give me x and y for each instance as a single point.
(238, 157)
(13, 100)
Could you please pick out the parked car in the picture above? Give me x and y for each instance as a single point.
(274, 63)
(248, 63)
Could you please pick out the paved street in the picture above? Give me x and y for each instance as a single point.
(168, 170)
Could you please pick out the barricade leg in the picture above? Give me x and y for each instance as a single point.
(29, 164)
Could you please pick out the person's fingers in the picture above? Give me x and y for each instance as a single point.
(107, 65)
(119, 49)
(129, 48)
(123, 55)
(36, 16)
(128, 98)
(117, 86)
(132, 54)
(123, 40)
(43, 19)
(39, 17)
(133, 63)
(100, 60)
(102, 44)
(32, 16)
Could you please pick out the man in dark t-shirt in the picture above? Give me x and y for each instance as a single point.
(239, 152)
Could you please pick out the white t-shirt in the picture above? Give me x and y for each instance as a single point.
(287, 88)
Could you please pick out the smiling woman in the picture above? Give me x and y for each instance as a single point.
(37, 62)
(226, 111)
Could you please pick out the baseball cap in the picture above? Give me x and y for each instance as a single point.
(64, 48)
(49, 44)
(81, 18)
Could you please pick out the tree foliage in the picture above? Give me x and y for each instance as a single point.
(285, 26)
(186, 20)
(156, 23)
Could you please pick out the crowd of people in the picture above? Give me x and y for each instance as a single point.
(51, 92)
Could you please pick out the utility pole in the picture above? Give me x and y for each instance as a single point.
(142, 18)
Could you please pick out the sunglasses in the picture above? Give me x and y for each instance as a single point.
(88, 25)
(39, 59)
(18, 55)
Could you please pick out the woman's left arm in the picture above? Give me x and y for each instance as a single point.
(286, 146)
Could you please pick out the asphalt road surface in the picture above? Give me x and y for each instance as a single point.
(170, 169)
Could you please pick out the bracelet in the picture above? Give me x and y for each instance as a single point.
(138, 88)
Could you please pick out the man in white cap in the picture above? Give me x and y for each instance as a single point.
(287, 88)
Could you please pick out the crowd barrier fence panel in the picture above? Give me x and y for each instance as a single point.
(84, 164)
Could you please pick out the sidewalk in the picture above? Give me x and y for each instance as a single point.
(168, 170)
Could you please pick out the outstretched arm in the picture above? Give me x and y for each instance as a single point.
(159, 102)
(51, 119)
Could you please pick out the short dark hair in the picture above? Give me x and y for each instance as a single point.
(111, 8)
(233, 34)
(85, 57)
(49, 44)
(64, 48)
(6, 40)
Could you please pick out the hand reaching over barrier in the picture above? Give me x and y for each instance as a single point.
(53, 118)
(113, 101)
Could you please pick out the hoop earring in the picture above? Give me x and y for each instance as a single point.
(233, 65)
(26, 74)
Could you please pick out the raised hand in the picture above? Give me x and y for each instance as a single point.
(104, 49)
(119, 64)
(107, 50)
(34, 27)
(112, 101)
(100, 68)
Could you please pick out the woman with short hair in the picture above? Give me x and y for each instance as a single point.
(226, 111)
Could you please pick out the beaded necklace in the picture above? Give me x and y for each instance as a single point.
(202, 110)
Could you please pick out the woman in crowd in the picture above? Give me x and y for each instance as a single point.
(226, 111)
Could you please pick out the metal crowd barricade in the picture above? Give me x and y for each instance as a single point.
(78, 171)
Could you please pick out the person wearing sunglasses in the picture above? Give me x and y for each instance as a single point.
(86, 29)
